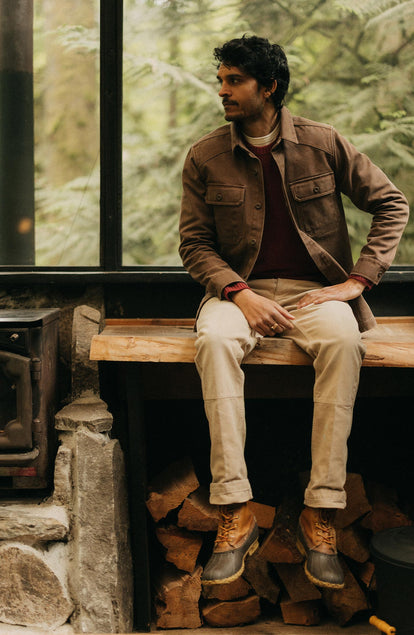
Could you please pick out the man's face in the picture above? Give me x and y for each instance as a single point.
(242, 97)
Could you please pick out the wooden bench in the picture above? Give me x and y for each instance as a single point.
(153, 359)
(390, 344)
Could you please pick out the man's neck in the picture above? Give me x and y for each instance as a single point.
(262, 126)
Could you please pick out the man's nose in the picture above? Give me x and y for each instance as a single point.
(224, 90)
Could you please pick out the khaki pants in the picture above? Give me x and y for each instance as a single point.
(329, 333)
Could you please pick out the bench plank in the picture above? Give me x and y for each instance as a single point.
(144, 341)
(390, 344)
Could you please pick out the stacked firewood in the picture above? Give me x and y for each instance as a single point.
(185, 525)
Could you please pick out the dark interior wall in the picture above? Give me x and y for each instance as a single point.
(155, 295)
(153, 299)
(174, 298)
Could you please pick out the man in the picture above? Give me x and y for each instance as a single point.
(263, 229)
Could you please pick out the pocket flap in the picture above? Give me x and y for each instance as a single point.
(313, 187)
(224, 194)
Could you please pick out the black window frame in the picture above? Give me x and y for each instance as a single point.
(111, 268)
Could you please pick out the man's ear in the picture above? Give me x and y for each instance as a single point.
(271, 89)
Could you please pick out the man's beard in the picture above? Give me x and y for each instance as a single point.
(228, 116)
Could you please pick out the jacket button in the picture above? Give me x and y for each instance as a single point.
(219, 197)
(258, 206)
(253, 242)
(316, 189)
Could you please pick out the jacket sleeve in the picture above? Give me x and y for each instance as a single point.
(198, 241)
(371, 191)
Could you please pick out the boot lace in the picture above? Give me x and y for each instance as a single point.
(228, 523)
(325, 529)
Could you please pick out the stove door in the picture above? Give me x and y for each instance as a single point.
(15, 404)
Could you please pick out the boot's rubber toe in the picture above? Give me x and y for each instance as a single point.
(324, 570)
(322, 565)
(227, 566)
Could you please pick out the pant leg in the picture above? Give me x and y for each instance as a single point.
(329, 333)
(224, 337)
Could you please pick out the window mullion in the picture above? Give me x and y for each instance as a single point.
(16, 134)
(111, 134)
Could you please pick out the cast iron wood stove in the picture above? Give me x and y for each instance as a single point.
(28, 397)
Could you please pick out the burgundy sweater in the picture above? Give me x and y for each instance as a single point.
(282, 253)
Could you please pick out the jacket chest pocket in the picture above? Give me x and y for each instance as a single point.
(316, 202)
(227, 202)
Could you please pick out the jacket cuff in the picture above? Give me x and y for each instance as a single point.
(370, 268)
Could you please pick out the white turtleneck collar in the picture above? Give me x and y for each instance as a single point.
(266, 140)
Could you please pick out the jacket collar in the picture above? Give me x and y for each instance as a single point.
(287, 130)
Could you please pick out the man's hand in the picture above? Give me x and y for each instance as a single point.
(343, 292)
(263, 315)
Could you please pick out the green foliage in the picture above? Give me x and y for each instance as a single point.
(78, 38)
(352, 65)
(67, 218)
(367, 7)
(66, 134)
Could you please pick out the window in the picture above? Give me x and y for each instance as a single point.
(96, 183)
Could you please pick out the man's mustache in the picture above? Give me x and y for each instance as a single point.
(228, 102)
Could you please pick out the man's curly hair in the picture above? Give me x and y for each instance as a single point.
(258, 58)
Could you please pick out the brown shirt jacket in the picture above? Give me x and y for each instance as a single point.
(223, 206)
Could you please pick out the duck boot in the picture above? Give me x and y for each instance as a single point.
(317, 542)
(237, 537)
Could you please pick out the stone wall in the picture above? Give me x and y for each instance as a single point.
(65, 562)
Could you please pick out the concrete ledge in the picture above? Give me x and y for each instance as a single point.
(28, 522)
(86, 411)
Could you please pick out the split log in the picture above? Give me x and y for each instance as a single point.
(265, 514)
(300, 613)
(168, 490)
(225, 592)
(233, 613)
(197, 514)
(279, 546)
(353, 542)
(259, 574)
(357, 503)
(386, 513)
(182, 546)
(344, 604)
(280, 543)
(177, 599)
(296, 582)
